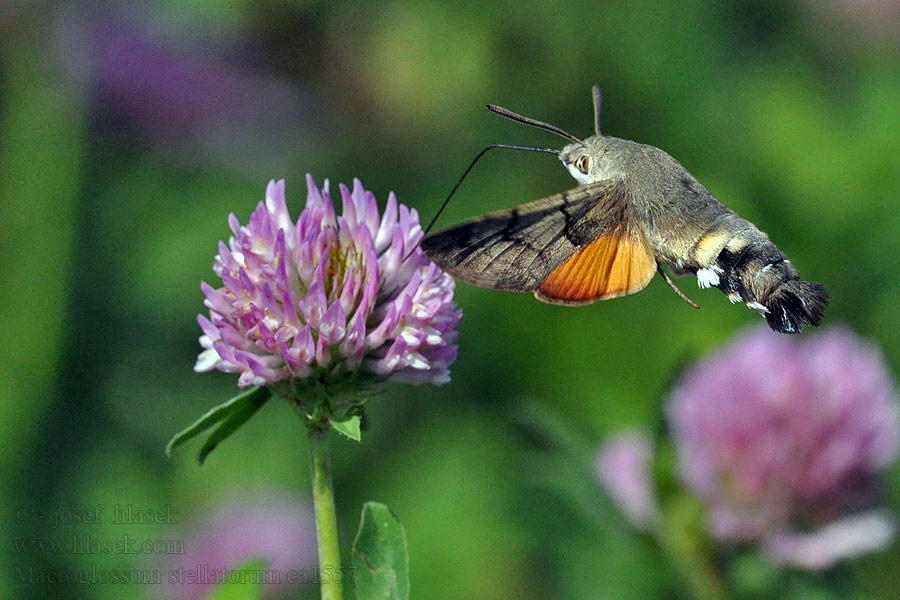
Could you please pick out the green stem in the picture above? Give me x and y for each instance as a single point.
(326, 515)
(683, 538)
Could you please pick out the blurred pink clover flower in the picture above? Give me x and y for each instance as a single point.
(623, 467)
(784, 440)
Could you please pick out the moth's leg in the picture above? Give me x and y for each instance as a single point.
(672, 285)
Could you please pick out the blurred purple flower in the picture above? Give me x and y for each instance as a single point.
(152, 82)
(781, 437)
(844, 538)
(330, 299)
(274, 526)
(622, 466)
(199, 94)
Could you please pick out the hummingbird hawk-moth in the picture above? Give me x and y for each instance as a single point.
(635, 210)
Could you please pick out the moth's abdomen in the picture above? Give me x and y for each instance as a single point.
(742, 262)
(762, 277)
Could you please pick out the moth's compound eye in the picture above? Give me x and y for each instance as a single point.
(583, 163)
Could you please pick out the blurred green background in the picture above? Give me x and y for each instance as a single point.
(129, 131)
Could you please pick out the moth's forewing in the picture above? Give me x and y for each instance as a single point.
(518, 249)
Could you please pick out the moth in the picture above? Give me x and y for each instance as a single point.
(635, 210)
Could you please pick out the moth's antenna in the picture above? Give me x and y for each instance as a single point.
(469, 168)
(505, 112)
(598, 103)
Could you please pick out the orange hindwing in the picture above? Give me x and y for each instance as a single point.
(611, 266)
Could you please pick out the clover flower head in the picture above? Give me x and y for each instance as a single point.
(329, 300)
(784, 440)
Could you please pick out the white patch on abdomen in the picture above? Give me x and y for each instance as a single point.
(707, 278)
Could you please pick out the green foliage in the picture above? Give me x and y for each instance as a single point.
(380, 557)
(686, 543)
(229, 416)
(349, 428)
(754, 577)
(244, 585)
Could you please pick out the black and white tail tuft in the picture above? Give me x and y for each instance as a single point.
(795, 304)
(756, 272)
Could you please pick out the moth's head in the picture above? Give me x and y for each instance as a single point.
(585, 160)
